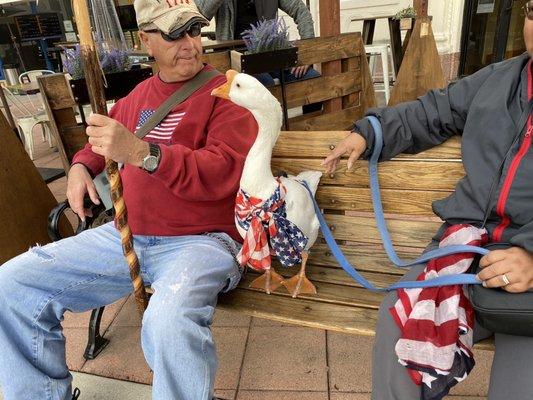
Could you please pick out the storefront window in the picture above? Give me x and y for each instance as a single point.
(492, 31)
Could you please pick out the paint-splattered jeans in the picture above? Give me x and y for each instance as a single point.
(88, 271)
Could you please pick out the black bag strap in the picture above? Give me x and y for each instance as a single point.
(176, 98)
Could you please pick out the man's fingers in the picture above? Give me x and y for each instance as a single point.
(96, 141)
(93, 194)
(99, 120)
(494, 270)
(493, 257)
(77, 207)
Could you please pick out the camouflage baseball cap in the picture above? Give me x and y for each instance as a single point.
(169, 16)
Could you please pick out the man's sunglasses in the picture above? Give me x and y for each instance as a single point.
(193, 31)
(528, 9)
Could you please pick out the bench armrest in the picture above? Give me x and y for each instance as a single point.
(57, 211)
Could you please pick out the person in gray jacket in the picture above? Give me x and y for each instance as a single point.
(233, 17)
(496, 193)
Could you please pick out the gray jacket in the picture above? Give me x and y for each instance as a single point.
(485, 109)
(224, 13)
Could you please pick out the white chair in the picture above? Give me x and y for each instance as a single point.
(31, 76)
(383, 51)
(26, 125)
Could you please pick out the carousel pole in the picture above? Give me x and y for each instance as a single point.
(95, 86)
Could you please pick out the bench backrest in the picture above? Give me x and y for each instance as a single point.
(409, 184)
(351, 86)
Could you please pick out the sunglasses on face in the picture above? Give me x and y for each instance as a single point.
(193, 31)
(528, 10)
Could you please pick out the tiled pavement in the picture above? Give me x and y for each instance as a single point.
(259, 360)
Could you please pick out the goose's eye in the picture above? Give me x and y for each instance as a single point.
(238, 85)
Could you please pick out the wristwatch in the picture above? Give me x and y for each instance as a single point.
(151, 161)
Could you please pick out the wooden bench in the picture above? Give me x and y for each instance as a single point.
(409, 184)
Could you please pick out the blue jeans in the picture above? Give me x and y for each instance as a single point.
(87, 271)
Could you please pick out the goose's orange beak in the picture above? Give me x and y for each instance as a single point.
(223, 90)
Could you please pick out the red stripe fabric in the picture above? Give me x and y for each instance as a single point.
(437, 323)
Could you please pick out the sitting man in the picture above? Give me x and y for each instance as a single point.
(181, 213)
(496, 194)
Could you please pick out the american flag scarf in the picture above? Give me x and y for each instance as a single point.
(265, 221)
(436, 324)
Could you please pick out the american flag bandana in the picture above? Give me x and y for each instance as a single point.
(265, 221)
(163, 130)
(437, 323)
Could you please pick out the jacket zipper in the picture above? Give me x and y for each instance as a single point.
(508, 182)
(504, 195)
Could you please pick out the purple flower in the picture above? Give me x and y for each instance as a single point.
(267, 35)
(114, 60)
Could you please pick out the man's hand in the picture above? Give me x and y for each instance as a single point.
(300, 71)
(113, 140)
(517, 265)
(79, 182)
(353, 144)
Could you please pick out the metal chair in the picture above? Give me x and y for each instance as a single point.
(31, 76)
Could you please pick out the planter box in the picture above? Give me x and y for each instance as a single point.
(119, 84)
(264, 62)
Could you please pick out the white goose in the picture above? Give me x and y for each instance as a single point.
(258, 182)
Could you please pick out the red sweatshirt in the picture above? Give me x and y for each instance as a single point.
(204, 142)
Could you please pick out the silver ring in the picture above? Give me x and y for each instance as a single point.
(505, 280)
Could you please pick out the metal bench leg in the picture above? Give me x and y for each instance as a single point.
(95, 343)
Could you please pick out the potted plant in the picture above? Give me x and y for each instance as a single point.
(268, 49)
(405, 17)
(120, 77)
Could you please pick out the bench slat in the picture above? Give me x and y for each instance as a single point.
(406, 202)
(328, 293)
(336, 275)
(363, 257)
(319, 89)
(302, 144)
(324, 49)
(409, 233)
(342, 119)
(313, 314)
(412, 175)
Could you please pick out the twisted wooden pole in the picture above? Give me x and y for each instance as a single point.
(95, 86)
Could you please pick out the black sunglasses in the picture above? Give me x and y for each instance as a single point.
(528, 9)
(193, 31)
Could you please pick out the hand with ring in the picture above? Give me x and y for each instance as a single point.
(510, 269)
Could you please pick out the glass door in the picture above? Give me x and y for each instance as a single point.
(492, 32)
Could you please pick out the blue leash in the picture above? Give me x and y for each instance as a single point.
(454, 279)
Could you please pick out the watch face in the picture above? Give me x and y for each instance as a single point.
(150, 163)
